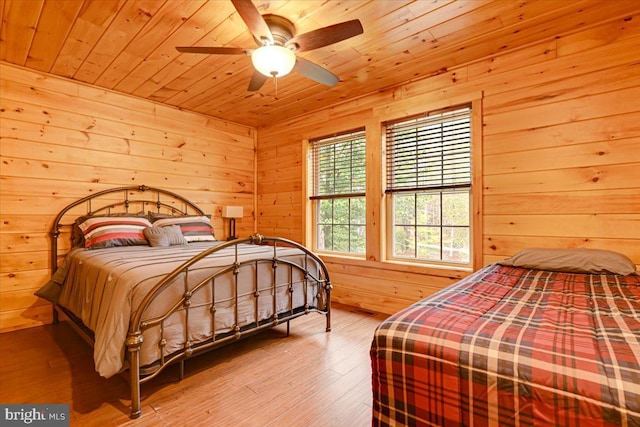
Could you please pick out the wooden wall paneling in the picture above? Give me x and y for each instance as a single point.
(26, 317)
(376, 217)
(101, 107)
(49, 153)
(285, 174)
(107, 121)
(2, 23)
(271, 209)
(285, 221)
(394, 283)
(276, 152)
(569, 179)
(560, 161)
(44, 170)
(506, 245)
(566, 94)
(283, 186)
(625, 200)
(61, 140)
(64, 128)
(510, 75)
(16, 216)
(21, 242)
(603, 226)
(16, 300)
(477, 184)
(306, 205)
(598, 153)
(380, 304)
(22, 204)
(20, 280)
(21, 223)
(26, 261)
(607, 128)
(607, 80)
(600, 105)
(433, 85)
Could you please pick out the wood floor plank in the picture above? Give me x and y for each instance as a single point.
(310, 378)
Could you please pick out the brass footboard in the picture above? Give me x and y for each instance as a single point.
(167, 298)
(310, 277)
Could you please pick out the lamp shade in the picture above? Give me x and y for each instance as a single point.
(232, 211)
(273, 61)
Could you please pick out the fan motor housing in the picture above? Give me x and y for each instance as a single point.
(281, 28)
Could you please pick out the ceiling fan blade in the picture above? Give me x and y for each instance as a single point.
(325, 36)
(257, 80)
(254, 20)
(315, 72)
(214, 50)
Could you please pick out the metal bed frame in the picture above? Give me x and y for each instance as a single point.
(177, 205)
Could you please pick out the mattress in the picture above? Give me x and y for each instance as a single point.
(509, 346)
(104, 288)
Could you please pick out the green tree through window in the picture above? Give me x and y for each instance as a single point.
(339, 185)
(429, 182)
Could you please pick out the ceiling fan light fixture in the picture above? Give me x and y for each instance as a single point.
(278, 44)
(273, 60)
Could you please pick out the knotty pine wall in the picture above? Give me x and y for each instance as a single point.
(61, 141)
(561, 158)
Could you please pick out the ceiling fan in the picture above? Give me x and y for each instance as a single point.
(278, 45)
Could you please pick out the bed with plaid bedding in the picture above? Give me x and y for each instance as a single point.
(508, 346)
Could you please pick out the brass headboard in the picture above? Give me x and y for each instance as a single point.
(137, 198)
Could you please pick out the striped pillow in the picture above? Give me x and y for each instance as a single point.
(111, 231)
(194, 228)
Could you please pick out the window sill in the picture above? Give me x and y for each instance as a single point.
(395, 265)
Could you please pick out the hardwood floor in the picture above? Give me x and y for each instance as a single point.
(311, 378)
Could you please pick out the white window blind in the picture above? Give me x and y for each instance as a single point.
(429, 152)
(339, 166)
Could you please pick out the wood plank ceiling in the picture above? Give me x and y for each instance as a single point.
(129, 45)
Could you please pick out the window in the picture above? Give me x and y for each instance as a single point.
(338, 194)
(429, 186)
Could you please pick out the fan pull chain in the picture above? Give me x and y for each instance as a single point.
(275, 81)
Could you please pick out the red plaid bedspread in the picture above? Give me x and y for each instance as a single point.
(513, 347)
